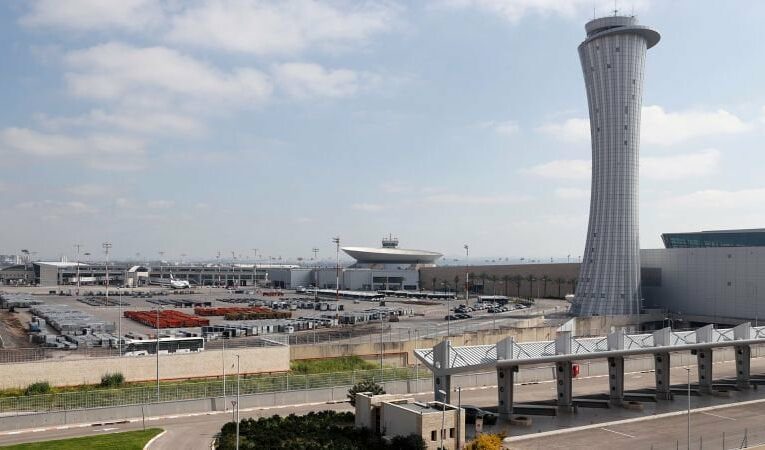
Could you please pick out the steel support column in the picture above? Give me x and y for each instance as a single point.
(616, 379)
(564, 377)
(505, 378)
(743, 364)
(661, 366)
(704, 362)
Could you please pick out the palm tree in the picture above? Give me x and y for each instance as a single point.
(471, 285)
(483, 278)
(456, 283)
(545, 279)
(517, 279)
(560, 282)
(530, 278)
(506, 280)
(434, 284)
(493, 279)
(573, 282)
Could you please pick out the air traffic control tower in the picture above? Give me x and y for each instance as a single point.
(613, 59)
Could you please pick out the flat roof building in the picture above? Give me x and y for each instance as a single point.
(716, 238)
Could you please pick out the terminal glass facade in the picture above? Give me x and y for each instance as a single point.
(727, 238)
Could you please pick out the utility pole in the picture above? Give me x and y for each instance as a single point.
(158, 308)
(467, 275)
(77, 246)
(237, 402)
(254, 266)
(315, 251)
(336, 240)
(107, 246)
(161, 269)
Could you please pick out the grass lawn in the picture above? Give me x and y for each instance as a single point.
(131, 440)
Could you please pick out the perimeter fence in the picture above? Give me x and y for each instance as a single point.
(194, 390)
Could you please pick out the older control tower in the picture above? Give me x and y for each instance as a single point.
(613, 59)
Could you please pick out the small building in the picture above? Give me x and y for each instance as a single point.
(397, 415)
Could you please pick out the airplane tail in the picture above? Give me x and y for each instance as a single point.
(171, 277)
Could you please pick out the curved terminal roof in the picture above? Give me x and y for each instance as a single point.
(391, 255)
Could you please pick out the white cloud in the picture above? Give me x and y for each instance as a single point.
(306, 80)
(94, 14)
(667, 128)
(572, 193)
(505, 128)
(160, 204)
(281, 27)
(571, 130)
(682, 166)
(367, 207)
(663, 168)
(716, 199)
(572, 169)
(90, 190)
(466, 199)
(142, 122)
(396, 187)
(659, 127)
(115, 71)
(54, 209)
(96, 150)
(515, 10)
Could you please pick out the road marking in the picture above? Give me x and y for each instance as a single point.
(618, 432)
(103, 430)
(717, 415)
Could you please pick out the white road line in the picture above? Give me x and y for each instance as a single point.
(717, 415)
(103, 430)
(618, 432)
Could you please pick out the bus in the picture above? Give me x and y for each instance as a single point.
(167, 345)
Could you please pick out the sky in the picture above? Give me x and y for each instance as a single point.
(206, 126)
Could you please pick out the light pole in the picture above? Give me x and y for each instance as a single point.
(119, 321)
(77, 246)
(161, 268)
(223, 357)
(443, 415)
(237, 402)
(467, 274)
(688, 369)
(158, 308)
(107, 246)
(336, 240)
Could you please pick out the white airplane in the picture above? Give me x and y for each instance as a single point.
(178, 284)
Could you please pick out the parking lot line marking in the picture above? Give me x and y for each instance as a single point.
(618, 432)
(717, 415)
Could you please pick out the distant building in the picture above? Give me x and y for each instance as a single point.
(396, 415)
(721, 238)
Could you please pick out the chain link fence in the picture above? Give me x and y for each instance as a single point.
(168, 392)
(731, 439)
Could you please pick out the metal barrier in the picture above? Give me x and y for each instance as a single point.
(99, 398)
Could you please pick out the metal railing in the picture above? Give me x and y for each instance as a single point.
(100, 398)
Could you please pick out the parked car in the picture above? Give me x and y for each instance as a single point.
(464, 316)
(472, 412)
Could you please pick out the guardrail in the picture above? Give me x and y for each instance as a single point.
(169, 392)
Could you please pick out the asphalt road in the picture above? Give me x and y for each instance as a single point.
(196, 431)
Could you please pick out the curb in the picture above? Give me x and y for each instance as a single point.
(151, 441)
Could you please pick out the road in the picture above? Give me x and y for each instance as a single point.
(196, 431)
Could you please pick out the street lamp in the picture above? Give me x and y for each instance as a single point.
(107, 245)
(467, 274)
(158, 308)
(336, 240)
(237, 402)
(688, 369)
(77, 246)
(443, 415)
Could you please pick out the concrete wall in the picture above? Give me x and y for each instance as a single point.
(209, 363)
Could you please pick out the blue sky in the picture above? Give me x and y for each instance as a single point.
(211, 125)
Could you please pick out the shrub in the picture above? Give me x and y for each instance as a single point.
(486, 442)
(411, 442)
(41, 387)
(112, 380)
(340, 364)
(364, 386)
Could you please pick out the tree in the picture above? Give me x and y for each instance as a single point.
(493, 279)
(506, 281)
(486, 442)
(483, 278)
(411, 442)
(364, 386)
(545, 280)
(530, 278)
(560, 282)
(434, 284)
(517, 279)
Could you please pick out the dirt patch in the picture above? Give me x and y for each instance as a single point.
(12, 330)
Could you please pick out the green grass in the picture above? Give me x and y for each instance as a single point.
(341, 364)
(131, 440)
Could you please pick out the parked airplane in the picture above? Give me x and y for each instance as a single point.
(179, 284)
